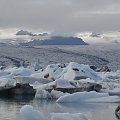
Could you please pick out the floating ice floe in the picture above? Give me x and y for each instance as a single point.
(114, 92)
(15, 72)
(28, 113)
(110, 82)
(6, 83)
(63, 87)
(4, 73)
(71, 71)
(43, 94)
(70, 78)
(52, 71)
(22, 72)
(7, 78)
(46, 91)
(77, 71)
(61, 83)
(88, 97)
(32, 80)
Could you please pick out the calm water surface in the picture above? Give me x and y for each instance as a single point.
(9, 108)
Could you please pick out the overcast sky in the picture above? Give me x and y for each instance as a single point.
(61, 17)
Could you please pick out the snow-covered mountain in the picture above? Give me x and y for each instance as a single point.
(57, 40)
(27, 38)
(99, 55)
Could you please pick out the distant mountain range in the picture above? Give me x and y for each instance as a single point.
(41, 39)
(56, 40)
(27, 38)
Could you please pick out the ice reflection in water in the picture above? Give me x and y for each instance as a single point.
(9, 108)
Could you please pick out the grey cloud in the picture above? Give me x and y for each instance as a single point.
(64, 17)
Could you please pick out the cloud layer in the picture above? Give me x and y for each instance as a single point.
(63, 17)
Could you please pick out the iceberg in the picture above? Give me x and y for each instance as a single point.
(114, 92)
(22, 72)
(71, 71)
(60, 78)
(88, 97)
(77, 71)
(61, 83)
(28, 113)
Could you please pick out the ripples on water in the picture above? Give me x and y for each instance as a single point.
(9, 108)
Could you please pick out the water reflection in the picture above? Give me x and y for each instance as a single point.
(9, 108)
(83, 106)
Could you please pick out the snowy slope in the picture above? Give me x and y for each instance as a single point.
(90, 54)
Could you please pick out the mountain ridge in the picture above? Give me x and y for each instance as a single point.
(56, 40)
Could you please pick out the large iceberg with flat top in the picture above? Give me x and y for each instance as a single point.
(88, 97)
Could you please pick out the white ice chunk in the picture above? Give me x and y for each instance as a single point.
(57, 94)
(42, 94)
(81, 96)
(22, 72)
(28, 113)
(61, 83)
(31, 80)
(6, 83)
(77, 71)
(115, 91)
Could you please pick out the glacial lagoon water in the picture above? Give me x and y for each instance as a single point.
(10, 108)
